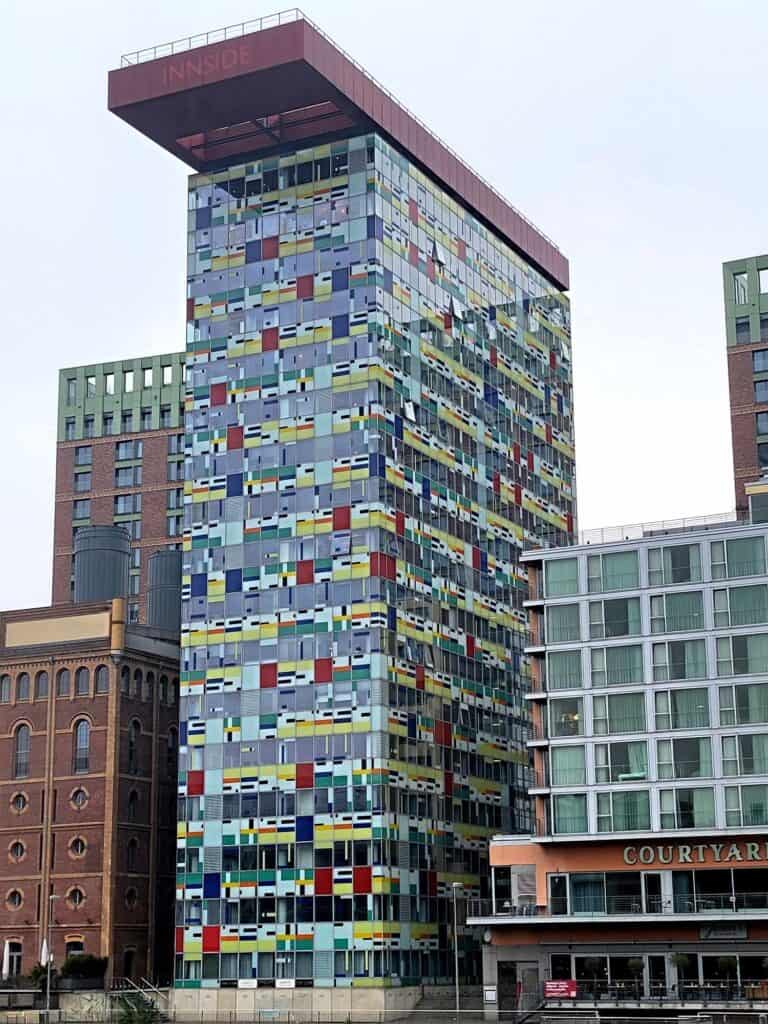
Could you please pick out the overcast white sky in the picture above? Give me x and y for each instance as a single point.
(632, 134)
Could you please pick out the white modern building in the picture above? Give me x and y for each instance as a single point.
(648, 669)
(647, 877)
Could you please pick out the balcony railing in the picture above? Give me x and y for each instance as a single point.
(562, 634)
(562, 777)
(690, 720)
(741, 617)
(245, 28)
(716, 903)
(677, 623)
(569, 826)
(559, 588)
(620, 581)
(564, 681)
(634, 990)
(627, 723)
(685, 770)
(621, 773)
(750, 568)
(658, 578)
(618, 677)
(611, 631)
(566, 728)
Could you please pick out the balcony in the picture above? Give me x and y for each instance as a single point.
(538, 731)
(535, 682)
(635, 991)
(753, 904)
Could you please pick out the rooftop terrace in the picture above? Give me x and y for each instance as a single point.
(280, 81)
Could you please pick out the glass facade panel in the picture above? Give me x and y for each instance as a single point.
(570, 813)
(563, 623)
(568, 766)
(563, 670)
(562, 577)
(355, 421)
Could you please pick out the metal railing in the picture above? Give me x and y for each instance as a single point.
(700, 769)
(751, 568)
(218, 35)
(677, 623)
(562, 634)
(561, 777)
(616, 725)
(661, 578)
(564, 681)
(634, 990)
(742, 617)
(662, 673)
(716, 903)
(294, 14)
(565, 826)
(690, 720)
(619, 581)
(610, 630)
(636, 531)
(621, 773)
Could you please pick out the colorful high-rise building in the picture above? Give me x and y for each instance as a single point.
(378, 419)
(120, 461)
(745, 286)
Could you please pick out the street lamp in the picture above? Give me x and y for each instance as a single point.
(51, 898)
(455, 886)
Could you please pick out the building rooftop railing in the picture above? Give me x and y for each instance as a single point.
(637, 531)
(640, 531)
(293, 14)
(217, 35)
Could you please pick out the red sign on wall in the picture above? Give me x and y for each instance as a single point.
(560, 989)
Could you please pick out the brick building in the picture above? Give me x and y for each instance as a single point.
(88, 752)
(745, 285)
(120, 460)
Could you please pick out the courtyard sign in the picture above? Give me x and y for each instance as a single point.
(701, 853)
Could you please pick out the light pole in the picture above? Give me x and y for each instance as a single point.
(455, 886)
(51, 898)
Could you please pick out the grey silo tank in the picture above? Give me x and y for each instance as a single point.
(102, 556)
(164, 591)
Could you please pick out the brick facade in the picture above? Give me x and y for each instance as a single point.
(743, 410)
(154, 489)
(99, 836)
(132, 409)
(745, 293)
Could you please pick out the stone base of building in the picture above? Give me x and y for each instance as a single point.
(306, 1003)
